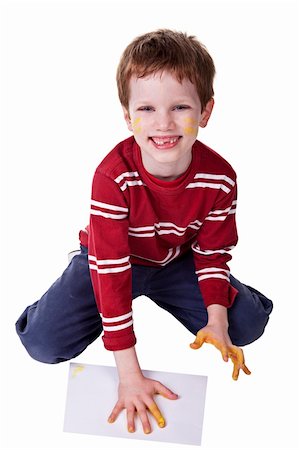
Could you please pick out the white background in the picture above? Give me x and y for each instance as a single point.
(61, 115)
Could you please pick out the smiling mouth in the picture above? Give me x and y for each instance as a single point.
(165, 140)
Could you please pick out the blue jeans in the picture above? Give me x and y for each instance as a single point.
(65, 320)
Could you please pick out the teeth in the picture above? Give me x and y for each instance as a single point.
(165, 141)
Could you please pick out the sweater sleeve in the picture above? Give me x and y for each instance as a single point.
(109, 262)
(216, 237)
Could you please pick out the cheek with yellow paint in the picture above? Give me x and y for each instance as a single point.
(136, 126)
(191, 126)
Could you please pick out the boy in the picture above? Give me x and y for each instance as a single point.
(162, 224)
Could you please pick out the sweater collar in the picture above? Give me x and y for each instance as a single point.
(169, 187)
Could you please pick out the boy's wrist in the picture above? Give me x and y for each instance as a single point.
(127, 364)
(217, 315)
(128, 374)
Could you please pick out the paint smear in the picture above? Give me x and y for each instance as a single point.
(191, 126)
(77, 370)
(136, 125)
(157, 415)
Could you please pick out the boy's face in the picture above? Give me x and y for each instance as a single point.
(164, 116)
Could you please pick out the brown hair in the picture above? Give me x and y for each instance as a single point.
(161, 50)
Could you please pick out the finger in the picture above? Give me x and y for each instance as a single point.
(237, 357)
(221, 347)
(144, 419)
(224, 352)
(165, 392)
(199, 340)
(130, 420)
(115, 412)
(238, 352)
(246, 370)
(153, 408)
(203, 336)
(241, 362)
(236, 371)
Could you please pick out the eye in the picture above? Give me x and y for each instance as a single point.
(145, 108)
(181, 107)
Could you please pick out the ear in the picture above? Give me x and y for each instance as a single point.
(206, 114)
(127, 118)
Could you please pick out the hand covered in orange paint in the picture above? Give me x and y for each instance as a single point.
(221, 340)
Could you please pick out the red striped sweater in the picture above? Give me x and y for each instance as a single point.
(137, 218)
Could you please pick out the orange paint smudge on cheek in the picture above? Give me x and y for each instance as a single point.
(136, 125)
(190, 130)
(191, 126)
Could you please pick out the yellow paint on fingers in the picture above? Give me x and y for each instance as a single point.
(157, 415)
(232, 351)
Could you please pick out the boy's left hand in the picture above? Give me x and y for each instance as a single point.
(221, 340)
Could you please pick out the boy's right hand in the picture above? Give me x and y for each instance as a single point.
(136, 395)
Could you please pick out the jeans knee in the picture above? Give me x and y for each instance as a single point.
(39, 349)
(42, 353)
(245, 338)
(245, 332)
(38, 343)
(248, 316)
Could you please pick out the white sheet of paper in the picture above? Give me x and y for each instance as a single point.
(92, 394)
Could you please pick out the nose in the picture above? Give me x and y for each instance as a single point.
(164, 121)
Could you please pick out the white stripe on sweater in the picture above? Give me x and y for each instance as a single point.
(208, 185)
(221, 218)
(141, 234)
(108, 206)
(116, 318)
(213, 275)
(117, 327)
(97, 212)
(157, 228)
(221, 214)
(172, 254)
(106, 262)
(131, 183)
(211, 176)
(213, 269)
(124, 182)
(197, 249)
(124, 175)
(109, 270)
(223, 211)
